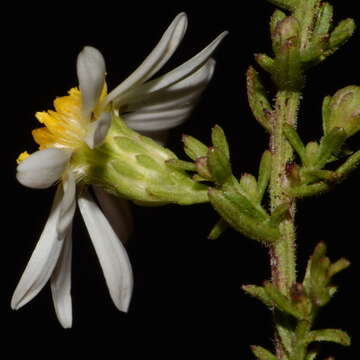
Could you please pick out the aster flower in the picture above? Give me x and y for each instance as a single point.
(80, 123)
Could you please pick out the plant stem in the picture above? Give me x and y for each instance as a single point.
(282, 253)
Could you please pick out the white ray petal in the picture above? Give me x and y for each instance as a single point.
(42, 168)
(111, 253)
(160, 120)
(117, 211)
(43, 259)
(98, 130)
(179, 73)
(68, 204)
(184, 91)
(91, 74)
(61, 284)
(156, 59)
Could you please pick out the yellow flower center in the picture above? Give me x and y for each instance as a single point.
(22, 157)
(65, 127)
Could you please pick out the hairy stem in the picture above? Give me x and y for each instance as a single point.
(282, 253)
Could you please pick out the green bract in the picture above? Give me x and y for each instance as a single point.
(135, 167)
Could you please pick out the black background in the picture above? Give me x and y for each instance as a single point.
(187, 300)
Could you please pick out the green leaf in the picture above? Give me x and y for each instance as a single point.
(314, 53)
(311, 152)
(235, 193)
(181, 164)
(281, 302)
(219, 140)
(303, 191)
(248, 185)
(338, 266)
(285, 4)
(326, 111)
(276, 17)
(279, 214)
(218, 229)
(264, 174)
(330, 145)
(319, 251)
(323, 23)
(349, 165)
(312, 354)
(193, 147)
(202, 168)
(295, 141)
(262, 354)
(317, 175)
(245, 224)
(341, 34)
(259, 293)
(218, 165)
(266, 62)
(258, 101)
(333, 335)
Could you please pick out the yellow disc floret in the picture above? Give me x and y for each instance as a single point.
(64, 127)
(22, 157)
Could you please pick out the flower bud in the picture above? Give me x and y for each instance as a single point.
(343, 111)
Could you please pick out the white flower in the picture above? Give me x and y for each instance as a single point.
(82, 119)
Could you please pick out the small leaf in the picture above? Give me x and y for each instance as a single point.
(338, 266)
(258, 101)
(266, 62)
(248, 185)
(330, 145)
(246, 225)
(317, 175)
(341, 34)
(333, 335)
(312, 354)
(295, 141)
(219, 165)
(285, 4)
(181, 164)
(218, 229)
(303, 191)
(279, 214)
(349, 165)
(276, 17)
(234, 192)
(311, 152)
(323, 23)
(219, 140)
(314, 53)
(193, 147)
(262, 354)
(281, 302)
(199, 178)
(326, 111)
(202, 168)
(264, 174)
(259, 293)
